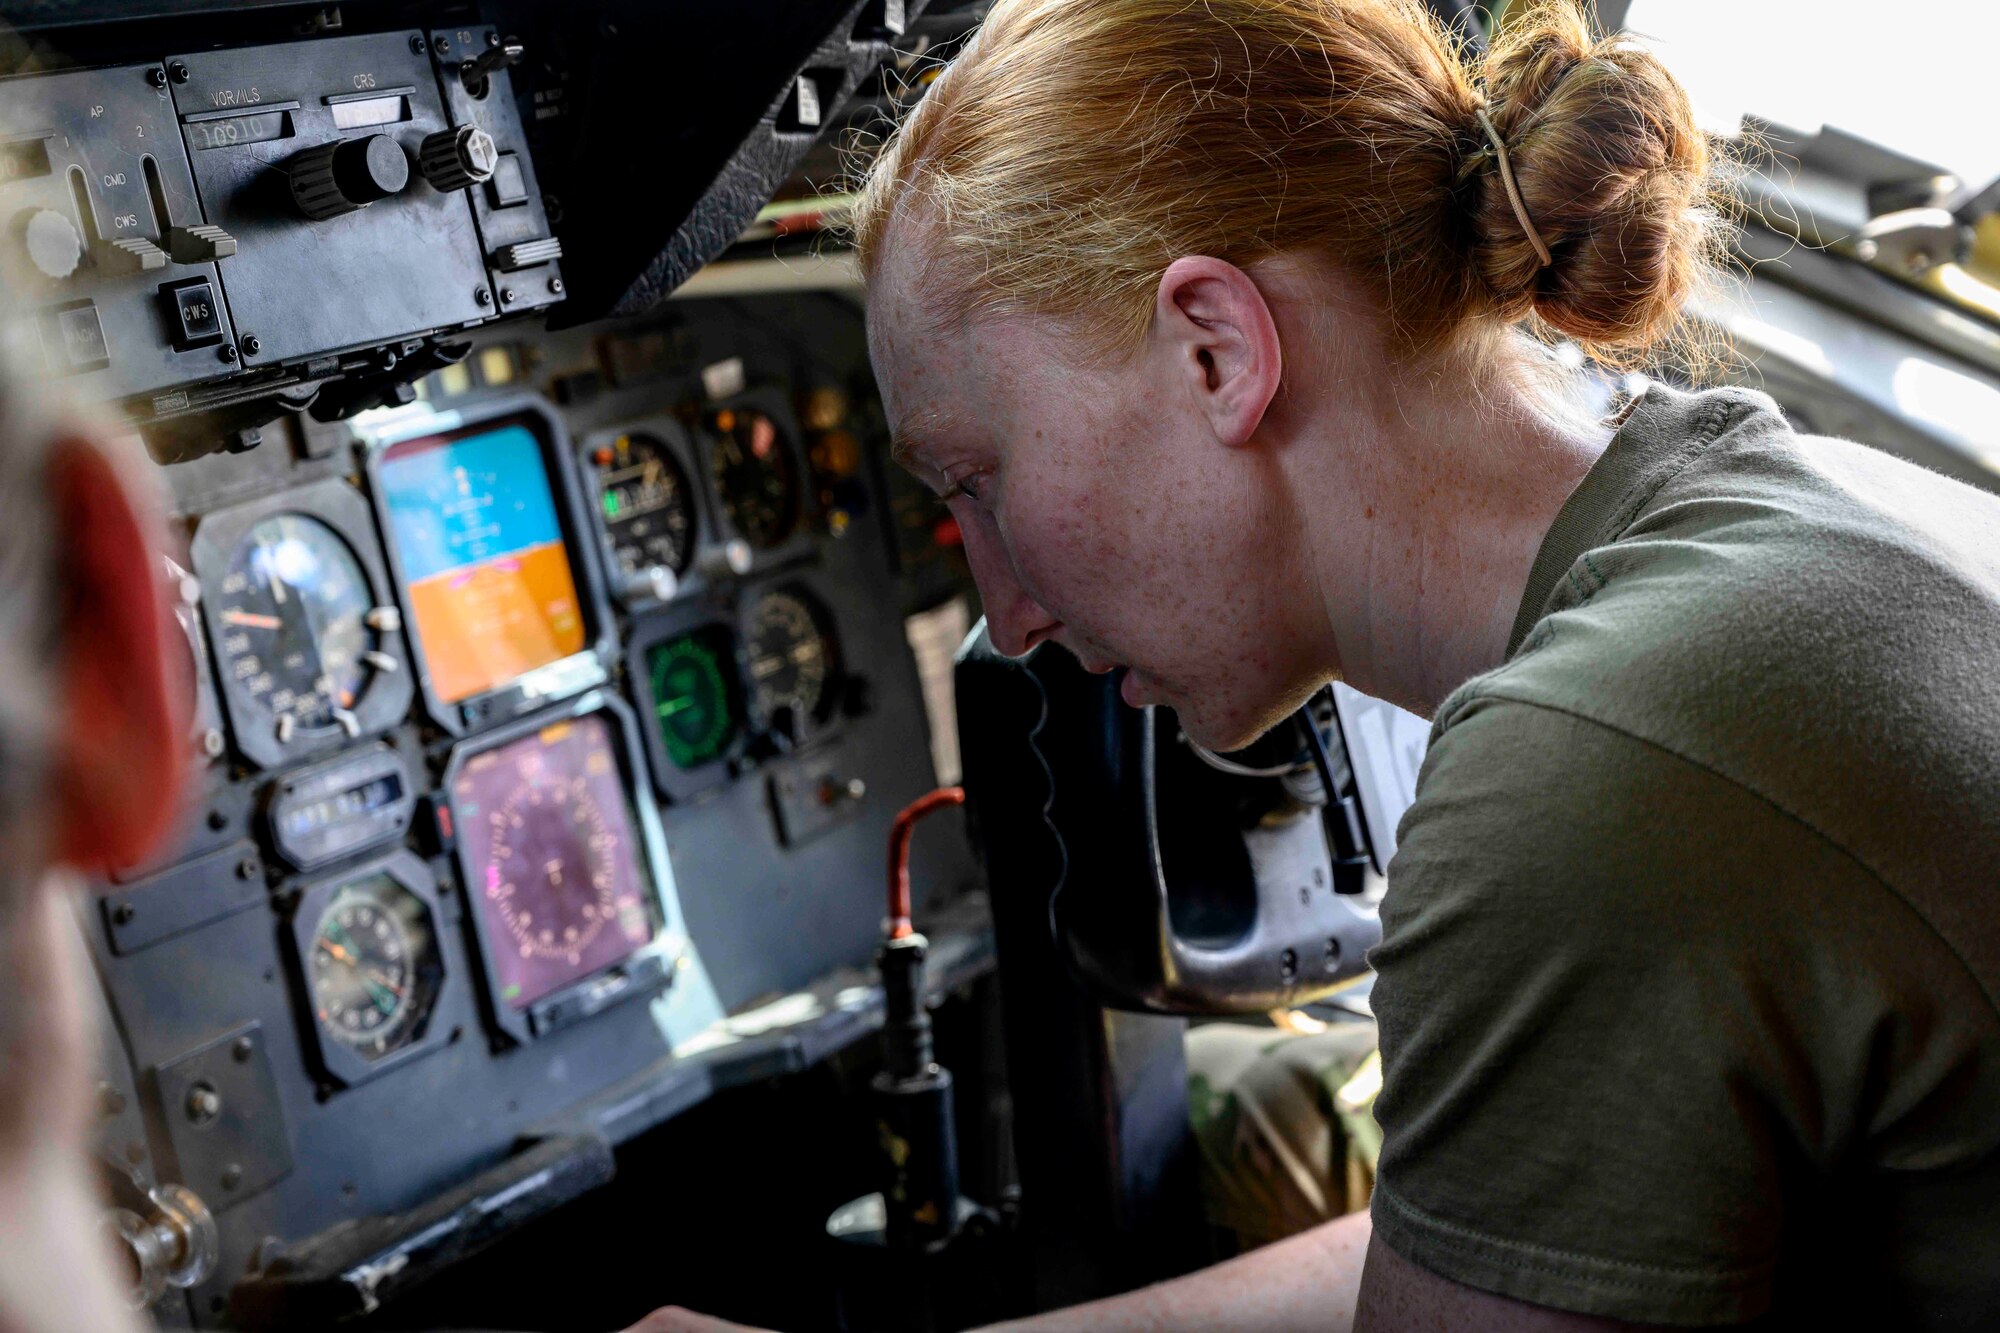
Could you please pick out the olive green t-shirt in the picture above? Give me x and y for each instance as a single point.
(1692, 941)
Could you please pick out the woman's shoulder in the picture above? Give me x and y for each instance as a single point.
(1813, 622)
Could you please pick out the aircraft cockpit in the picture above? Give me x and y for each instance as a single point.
(573, 674)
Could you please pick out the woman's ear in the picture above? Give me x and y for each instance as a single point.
(1219, 330)
(119, 749)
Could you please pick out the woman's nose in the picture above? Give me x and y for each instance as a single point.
(1015, 622)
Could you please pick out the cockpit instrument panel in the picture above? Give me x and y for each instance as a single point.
(307, 642)
(647, 510)
(501, 595)
(369, 965)
(493, 570)
(563, 866)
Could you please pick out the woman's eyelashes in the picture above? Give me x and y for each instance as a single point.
(970, 483)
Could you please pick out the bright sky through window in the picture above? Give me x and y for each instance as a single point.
(1915, 78)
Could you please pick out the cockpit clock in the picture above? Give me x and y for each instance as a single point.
(370, 971)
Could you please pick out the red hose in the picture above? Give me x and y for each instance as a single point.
(899, 854)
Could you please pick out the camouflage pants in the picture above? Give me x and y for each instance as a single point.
(1284, 1125)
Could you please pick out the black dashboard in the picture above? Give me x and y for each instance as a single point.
(561, 654)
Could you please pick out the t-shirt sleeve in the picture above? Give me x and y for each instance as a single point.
(1599, 1031)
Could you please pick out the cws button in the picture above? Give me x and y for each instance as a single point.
(192, 313)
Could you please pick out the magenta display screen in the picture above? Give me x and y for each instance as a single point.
(553, 860)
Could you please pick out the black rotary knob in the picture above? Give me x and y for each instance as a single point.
(453, 159)
(339, 177)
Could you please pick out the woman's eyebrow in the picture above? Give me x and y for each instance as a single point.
(904, 448)
(911, 437)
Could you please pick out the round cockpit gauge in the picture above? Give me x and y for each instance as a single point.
(294, 607)
(792, 659)
(755, 474)
(648, 507)
(373, 966)
(694, 696)
(308, 648)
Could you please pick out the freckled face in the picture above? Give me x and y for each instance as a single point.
(1100, 510)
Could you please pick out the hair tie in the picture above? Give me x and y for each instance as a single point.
(1513, 190)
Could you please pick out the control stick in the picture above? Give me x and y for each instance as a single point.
(915, 1257)
(912, 1094)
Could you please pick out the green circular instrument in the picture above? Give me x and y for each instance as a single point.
(692, 700)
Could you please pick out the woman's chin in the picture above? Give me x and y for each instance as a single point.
(1223, 724)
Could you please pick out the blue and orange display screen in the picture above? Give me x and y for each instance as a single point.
(487, 574)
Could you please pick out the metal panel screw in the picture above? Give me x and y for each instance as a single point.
(506, 296)
(227, 351)
(417, 46)
(157, 77)
(242, 1049)
(123, 913)
(180, 71)
(232, 1176)
(555, 286)
(443, 45)
(204, 1103)
(493, 39)
(252, 344)
(482, 296)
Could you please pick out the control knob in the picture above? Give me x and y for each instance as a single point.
(53, 246)
(339, 177)
(453, 159)
(174, 1246)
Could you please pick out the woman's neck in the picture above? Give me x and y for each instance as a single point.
(1447, 489)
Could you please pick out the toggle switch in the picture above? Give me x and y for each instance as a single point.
(200, 244)
(526, 254)
(129, 255)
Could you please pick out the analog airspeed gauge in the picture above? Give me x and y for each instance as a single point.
(308, 645)
(295, 635)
